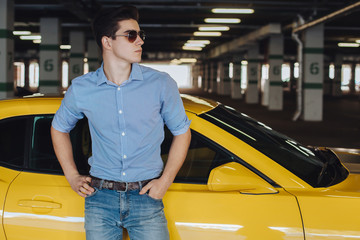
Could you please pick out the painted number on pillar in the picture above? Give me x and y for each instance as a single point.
(253, 71)
(314, 68)
(48, 65)
(76, 69)
(276, 70)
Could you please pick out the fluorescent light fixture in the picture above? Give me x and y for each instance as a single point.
(222, 20)
(244, 62)
(188, 60)
(65, 46)
(38, 41)
(214, 28)
(341, 44)
(233, 10)
(207, 34)
(175, 62)
(192, 48)
(30, 37)
(194, 44)
(199, 41)
(21, 32)
(358, 41)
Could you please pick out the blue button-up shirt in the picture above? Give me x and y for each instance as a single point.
(126, 122)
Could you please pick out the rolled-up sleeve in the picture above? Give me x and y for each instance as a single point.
(68, 114)
(172, 109)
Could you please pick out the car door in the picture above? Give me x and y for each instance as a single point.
(196, 212)
(40, 204)
(12, 147)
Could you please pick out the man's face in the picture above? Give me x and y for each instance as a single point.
(122, 48)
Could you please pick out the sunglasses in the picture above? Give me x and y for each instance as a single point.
(132, 35)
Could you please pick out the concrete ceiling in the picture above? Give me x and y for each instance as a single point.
(169, 24)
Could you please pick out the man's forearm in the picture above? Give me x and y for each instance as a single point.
(177, 154)
(63, 150)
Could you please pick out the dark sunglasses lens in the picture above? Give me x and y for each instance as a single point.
(132, 36)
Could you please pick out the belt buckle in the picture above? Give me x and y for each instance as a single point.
(126, 187)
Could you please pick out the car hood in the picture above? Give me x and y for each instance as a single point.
(198, 105)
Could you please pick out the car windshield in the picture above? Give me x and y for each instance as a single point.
(319, 168)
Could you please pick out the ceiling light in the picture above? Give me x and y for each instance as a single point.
(358, 41)
(37, 41)
(188, 60)
(30, 37)
(65, 46)
(219, 28)
(21, 32)
(199, 41)
(222, 20)
(207, 34)
(192, 48)
(194, 44)
(233, 10)
(175, 62)
(348, 44)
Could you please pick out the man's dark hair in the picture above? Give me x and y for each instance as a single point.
(106, 21)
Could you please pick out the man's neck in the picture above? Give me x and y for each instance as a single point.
(117, 72)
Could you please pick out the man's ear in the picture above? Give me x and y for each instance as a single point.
(106, 42)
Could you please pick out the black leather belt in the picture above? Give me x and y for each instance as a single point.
(117, 186)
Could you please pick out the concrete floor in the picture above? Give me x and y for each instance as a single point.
(340, 128)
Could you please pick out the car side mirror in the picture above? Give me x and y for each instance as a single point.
(236, 177)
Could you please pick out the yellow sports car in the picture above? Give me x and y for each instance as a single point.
(240, 180)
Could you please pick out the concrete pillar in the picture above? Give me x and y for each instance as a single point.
(7, 83)
(253, 75)
(226, 78)
(194, 72)
(236, 80)
(336, 83)
(276, 51)
(327, 80)
(213, 77)
(206, 77)
(201, 75)
(27, 73)
(93, 55)
(77, 54)
(352, 79)
(50, 63)
(219, 73)
(313, 73)
(223, 79)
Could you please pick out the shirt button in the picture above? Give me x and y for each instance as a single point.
(120, 111)
(124, 174)
(123, 133)
(118, 88)
(124, 156)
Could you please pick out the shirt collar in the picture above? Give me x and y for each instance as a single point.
(136, 74)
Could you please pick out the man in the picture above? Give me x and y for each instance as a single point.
(126, 105)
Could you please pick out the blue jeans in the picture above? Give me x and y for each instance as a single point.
(107, 212)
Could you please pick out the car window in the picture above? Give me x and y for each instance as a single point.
(203, 155)
(12, 141)
(42, 155)
(318, 169)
